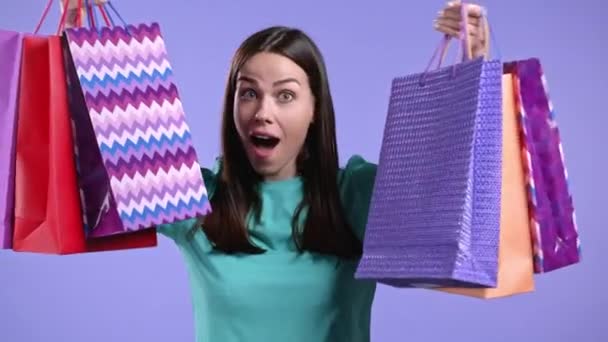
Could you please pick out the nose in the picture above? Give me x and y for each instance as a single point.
(264, 111)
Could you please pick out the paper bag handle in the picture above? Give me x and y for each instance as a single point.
(45, 13)
(465, 46)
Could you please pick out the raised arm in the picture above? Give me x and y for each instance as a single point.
(356, 183)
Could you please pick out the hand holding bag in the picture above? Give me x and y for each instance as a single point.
(435, 212)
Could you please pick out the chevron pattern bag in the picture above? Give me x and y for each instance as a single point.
(137, 164)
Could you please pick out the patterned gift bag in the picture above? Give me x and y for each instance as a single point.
(435, 212)
(145, 171)
(48, 216)
(553, 225)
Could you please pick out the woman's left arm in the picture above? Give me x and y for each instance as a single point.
(356, 188)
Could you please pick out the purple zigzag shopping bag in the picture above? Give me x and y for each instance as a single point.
(137, 164)
(10, 65)
(435, 212)
(553, 226)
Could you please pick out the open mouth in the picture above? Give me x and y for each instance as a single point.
(264, 141)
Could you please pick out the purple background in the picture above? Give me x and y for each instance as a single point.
(144, 295)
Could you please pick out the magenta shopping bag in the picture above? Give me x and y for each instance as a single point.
(554, 231)
(10, 64)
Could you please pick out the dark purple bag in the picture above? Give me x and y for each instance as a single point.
(98, 204)
(10, 66)
(554, 231)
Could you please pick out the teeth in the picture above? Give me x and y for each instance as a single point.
(262, 137)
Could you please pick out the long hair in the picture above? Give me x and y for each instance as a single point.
(325, 229)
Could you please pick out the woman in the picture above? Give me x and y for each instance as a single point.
(275, 261)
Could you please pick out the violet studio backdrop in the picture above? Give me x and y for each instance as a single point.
(143, 295)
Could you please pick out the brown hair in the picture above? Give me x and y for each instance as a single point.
(325, 229)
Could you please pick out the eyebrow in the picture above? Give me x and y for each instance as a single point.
(286, 80)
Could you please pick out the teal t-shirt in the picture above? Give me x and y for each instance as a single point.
(280, 295)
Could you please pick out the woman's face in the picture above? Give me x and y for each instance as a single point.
(273, 108)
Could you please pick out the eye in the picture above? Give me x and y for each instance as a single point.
(286, 96)
(248, 94)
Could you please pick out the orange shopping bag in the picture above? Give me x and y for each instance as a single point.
(515, 258)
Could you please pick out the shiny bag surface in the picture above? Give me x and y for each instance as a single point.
(553, 225)
(435, 212)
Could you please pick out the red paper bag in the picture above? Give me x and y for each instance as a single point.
(48, 215)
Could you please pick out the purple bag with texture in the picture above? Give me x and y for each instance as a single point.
(434, 217)
(10, 65)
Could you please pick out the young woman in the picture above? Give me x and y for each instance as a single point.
(275, 261)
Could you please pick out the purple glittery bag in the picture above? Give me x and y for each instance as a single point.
(434, 217)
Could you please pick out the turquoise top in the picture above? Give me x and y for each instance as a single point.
(280, 295)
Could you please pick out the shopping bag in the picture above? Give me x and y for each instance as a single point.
(48, 216)
(515, 267)
(435, 210)
(553, 224)
(126, 105)
(98, 204)
(10, 65)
